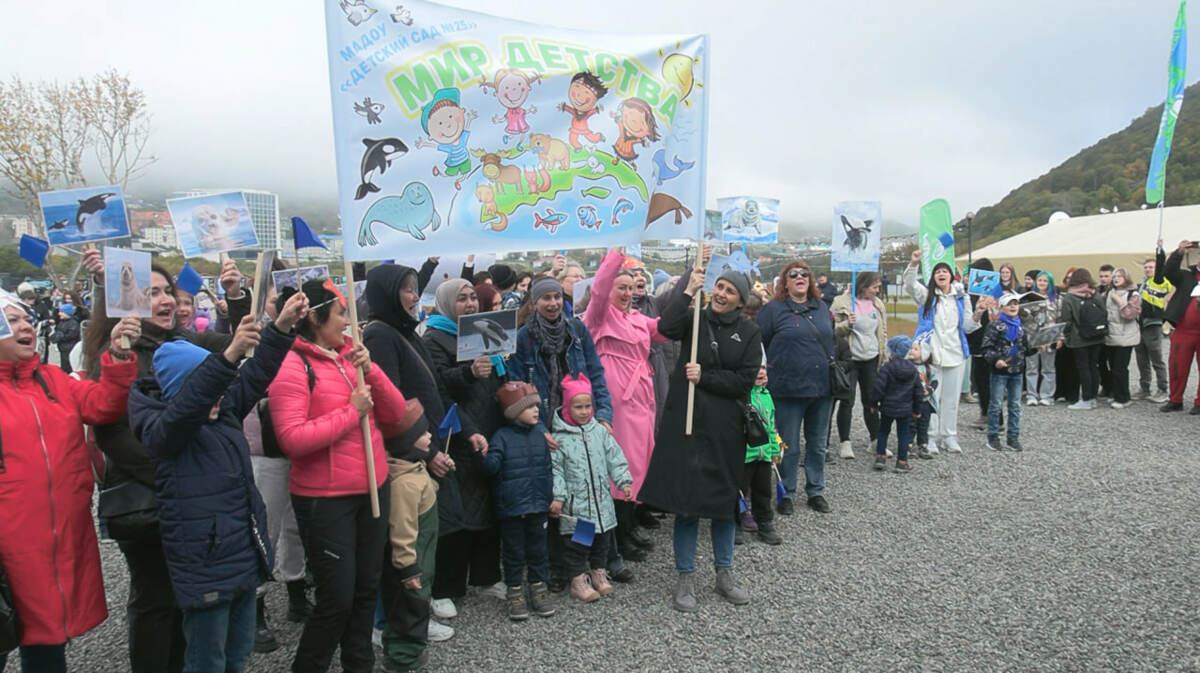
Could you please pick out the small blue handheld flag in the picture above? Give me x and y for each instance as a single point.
(33, 250)
(780, 489)
(585, 532)
(450, 423)
(189, 280)
(742, 506)
(304, 236)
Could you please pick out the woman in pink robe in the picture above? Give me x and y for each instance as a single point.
(623, 337)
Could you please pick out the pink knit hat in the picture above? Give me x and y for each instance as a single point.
(573, 386)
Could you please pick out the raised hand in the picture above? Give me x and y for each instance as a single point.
(246, 337)
(295, 309)
(231, 279)
(93, 262)
(124, 333)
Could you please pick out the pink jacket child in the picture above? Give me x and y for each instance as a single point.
(318, 429)
(623, 337)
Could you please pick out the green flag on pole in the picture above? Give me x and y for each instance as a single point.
(1176, 69)
(935, 236)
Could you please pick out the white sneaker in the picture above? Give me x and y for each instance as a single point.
(1159, 398)
(1120, 405)
(1047, 402)
(932, 448)
(439, 632)
(497, 591)
(845, 450)
(377, 638)
(952, 445)
(443, 608)
(1081, 405)
(889, 453)
(1031, 402)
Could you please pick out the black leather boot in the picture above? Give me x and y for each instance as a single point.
(298, 606)
(264, 640)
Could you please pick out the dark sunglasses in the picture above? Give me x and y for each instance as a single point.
(798, 273)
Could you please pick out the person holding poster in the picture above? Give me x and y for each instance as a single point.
(623, 338)
(943, 320)
(47, 538)
(862, 322)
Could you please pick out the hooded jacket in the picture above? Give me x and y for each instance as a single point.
(760, 397)
(945, 328)
(1069, 305)
(47, 536)
(898, 390)
(518, 460)
(587, 460)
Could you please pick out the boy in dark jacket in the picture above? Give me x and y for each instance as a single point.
(518, 459)
(898, 397)
(212, 517)
(1005, 347)
(66, 335)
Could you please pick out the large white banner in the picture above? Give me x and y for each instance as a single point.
(461, 132)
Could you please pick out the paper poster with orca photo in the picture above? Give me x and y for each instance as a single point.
(212, 223)
(981, 281)
(749, 219)
(485, 334)
(308, 273)
(855, 245)
(126, 282)
(286, 278)
(1047, 335)
(75, 216)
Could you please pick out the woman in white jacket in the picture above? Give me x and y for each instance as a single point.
(944, 318)
(1124, 305)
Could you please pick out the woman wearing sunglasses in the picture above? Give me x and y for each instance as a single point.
(797, 331)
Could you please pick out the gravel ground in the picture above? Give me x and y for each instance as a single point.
(1076, 555)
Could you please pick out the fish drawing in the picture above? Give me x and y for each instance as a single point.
(588, 217)
(411, 213)
(492, 332)
(623, 206)
(664, 170)
(375, 161)
(90, 208)
(551, 221)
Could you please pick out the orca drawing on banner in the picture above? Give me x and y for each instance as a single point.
(369, 109)
(91, 207)
(857, 232)
(411, 213)
(375, 161)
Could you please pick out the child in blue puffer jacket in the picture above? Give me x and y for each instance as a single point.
(518, 459)
(898, 397)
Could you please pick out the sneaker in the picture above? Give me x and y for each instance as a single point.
(902, 467)
(766, 533)
(264, 640)
(845, 450)
(727, 587)
(1159, 397)
(518, 607)
(600, 583)
(417, 664)
(979, 423)
(684, 599)
(1047, 402)
(438, 632)
(1120, 405)
(1140, 395)
(748, 523)
(377, 638)
(786, 507)
(993, 443)
(887, 452)
(1014, 443)
(952, 445)
(539, 600)
(1171, 406)
(443, 608)
(624, 575)
(932, 448)
(1081, 405)
(1031, 402)
(817, 503)
(497, 591)
(923, 454)
(880, 462)
(739, 536)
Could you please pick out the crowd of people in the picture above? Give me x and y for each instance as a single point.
(388, 479)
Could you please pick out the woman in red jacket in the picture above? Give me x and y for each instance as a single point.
(316, 405)
(47, 538)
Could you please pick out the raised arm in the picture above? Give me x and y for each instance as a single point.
(104, 401)
(166, 434)
(602, 286)
(919, 293)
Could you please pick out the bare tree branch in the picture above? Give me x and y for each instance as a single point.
(117, 117)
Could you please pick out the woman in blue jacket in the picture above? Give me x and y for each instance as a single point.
(797, 333)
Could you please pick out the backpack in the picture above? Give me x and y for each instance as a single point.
(270, 444)
(1093, 318)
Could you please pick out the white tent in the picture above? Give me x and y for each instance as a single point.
(1123, 239)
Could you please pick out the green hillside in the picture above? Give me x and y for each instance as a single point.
(1111, 172)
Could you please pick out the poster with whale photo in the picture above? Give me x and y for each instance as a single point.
(126, 282)
(485, 334)
(855, 245)
(749, 219)
(75, 216)
(212, 223)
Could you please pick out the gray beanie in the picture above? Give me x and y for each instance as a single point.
(543, 285)
(739, 281)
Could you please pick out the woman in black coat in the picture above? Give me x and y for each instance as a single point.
(697, 475)
(474, 552)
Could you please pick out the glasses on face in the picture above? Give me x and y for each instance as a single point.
(798, 273)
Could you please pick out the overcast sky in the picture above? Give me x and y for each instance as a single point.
(813, 101)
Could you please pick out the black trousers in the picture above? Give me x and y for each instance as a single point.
(1118, 372)
(1066, 376)
(1104, 371)
(862, 373)
(467, 556)
(155, 624)
(757, 487)
(344, 545)
(1087, 365)
(921, 429)
(578, 559)
(981, 380)
(523, 548)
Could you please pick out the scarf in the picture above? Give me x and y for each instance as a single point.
(441, 322)
(552, 339)
(1012, 331)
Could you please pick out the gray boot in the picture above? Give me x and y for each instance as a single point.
(685, 593)
(727, 587)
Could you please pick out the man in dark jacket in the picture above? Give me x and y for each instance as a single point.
(189, 417)
(65, 335)
(1183, 311)
(829, 291)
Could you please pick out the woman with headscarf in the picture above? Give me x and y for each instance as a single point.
(473, 553)
(697, 475)
(943, 320)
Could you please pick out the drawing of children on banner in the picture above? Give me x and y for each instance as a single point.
(512, 89)
(448, 126)
(584, 94)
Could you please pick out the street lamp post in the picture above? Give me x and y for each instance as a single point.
(970, 217)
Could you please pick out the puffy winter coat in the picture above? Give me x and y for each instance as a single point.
(1069, 312)
(528, 365)
(47, 536)
(947, 324)
(518, 461)
(587, 460)
(799, 341)
(997, 346)
(318, 429)
(1122, 331)
(898, 390)
(211, 516)
(761, 399)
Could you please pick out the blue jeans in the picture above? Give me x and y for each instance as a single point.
(40, 658)
(219, 639)
(687, 530)
(814, 414)
(1001, 384)
(903, 434)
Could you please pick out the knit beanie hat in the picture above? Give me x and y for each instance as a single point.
(446, 296)
(503, 275)
(67, 309)
(174, 361)
(515, 397)
(543, 285)
(572, 387)
(739, 281)
(899, 346)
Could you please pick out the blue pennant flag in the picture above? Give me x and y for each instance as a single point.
(450, 423)
(304, 237)
(189, 280)
(742, 506)
(585, 532)
(33, 250)
(780, 489)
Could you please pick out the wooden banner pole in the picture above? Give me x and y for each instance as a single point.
(365, 421)
(698, 302)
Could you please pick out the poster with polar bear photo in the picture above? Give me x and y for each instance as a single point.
(126, 282)
(212, 223)
(855, 245)
(749, 219)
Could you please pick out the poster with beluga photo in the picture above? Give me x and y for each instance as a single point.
(212, 223)
(484, 334)
(75, 216)
(126, 282)
(855, 238)
(749, 219)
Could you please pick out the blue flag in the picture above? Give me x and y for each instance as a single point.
(742, 506)
(304, 237)
(33, 250)
(450, 423)
(585, 532)
(189, 280)
(1156, 177)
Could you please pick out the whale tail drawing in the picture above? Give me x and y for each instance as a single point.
(364, 189)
